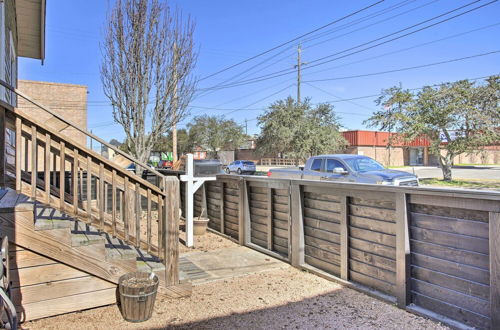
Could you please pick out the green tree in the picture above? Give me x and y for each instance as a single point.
(300, 130)
(458, 117)
(165, 143)
(215, 133)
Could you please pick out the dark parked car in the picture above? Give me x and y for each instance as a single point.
(241, 167)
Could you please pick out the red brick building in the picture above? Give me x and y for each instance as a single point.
(374, 144)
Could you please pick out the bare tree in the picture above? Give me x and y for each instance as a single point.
(147, 70)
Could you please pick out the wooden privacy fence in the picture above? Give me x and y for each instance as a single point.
(434, 252)
(80, 182)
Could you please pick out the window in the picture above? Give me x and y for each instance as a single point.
(331, 164)
(364, 164)
(316, 165)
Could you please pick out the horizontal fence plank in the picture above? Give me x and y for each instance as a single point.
(322, 244)
(456, 202)
(454, 283)
(322, 215)
(372, 259)
(473, 304)
(322, 205)
(367, 235)
(373, 225)
(386, 204)
(373, 212)
(322, 234)
(451, 268)
(447, 253)
(464, 214)
(372, 271)
(371, 282)
(451, 225)
(323, 225)
(381, 250)
(322, 255)
(451, 311)
(323, 265)
(457, 241)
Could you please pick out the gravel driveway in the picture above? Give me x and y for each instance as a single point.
(279, 299)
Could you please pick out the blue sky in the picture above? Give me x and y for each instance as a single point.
(229, 31)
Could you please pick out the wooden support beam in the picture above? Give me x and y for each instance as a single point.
(270, 219)
(171, 223)
(46, 176)
(113, 201)
(297, 258)
(2, 144)
(74, 181)
(403, 261)
(344, 237)
(62, 174)
(138, 215)
(126, 208)
(160, 223)
(89, 188)
(149, 220)
(34, 149)
(241, 212)
(101, 194)
(19, 150)
(222, 207)
(494, 236)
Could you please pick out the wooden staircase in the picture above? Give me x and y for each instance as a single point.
(71, 215)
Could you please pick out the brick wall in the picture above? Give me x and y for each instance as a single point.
(68, 101)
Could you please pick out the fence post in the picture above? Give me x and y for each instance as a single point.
(494, 236)
(297, 240)
(171, 230)
(241, 212)
(270, 219)
(402, 251)
(222, 207)
(344, 238)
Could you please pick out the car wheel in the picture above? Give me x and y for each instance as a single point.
(227, 170)
(238, 171)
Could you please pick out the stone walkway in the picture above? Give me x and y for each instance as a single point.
(203, 267)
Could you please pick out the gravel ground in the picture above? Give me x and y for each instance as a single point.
(205, 243)
(281, 299)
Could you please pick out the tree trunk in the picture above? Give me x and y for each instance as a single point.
(174, 142)
(446, 163)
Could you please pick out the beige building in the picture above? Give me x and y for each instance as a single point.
(67, 100)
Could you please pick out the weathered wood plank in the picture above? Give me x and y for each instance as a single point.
(458, 241)
(390, 204)
(34, 158)
(494, 244)
(371, 282)
(322, 205)
(451, 254)
(297, 226)
(372, 212)
(323, 265)
(451, 268)
(372, 259)
(171, 225)
(322, 255)
(269, 218)
(19, 150)
(454, 283)
(403, 261)
(322, 244)
(322, 234)
(322, 215)
(451, 225)
(372, 271)
(375, 237)
(62, 172)
(374, 248)
(461, 300)
(385, 227)
(456, 202)
(451, 311)
(323, 225)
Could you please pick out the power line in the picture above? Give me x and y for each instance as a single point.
(407, 48)
(337, 97)
(292, 40)
(289, 71)
(408, 68)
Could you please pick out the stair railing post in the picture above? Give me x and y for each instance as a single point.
(171, 229)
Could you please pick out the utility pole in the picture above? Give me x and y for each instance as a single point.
(246, 127)
(299, 63)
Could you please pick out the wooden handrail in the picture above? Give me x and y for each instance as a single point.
(127, 189)
(81, 130)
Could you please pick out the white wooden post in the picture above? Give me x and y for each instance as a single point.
(189, 200)
(192, 185)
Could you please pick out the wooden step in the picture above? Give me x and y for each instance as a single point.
(84, 234)
(47, 218)
(148, 263)
(12, 201)
(116, 249)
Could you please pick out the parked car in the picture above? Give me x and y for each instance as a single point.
(346, 168)
(241, 167)
(165, 164)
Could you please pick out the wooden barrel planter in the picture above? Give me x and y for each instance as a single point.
(137, 295)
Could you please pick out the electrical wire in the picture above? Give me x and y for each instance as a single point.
(292, 40)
